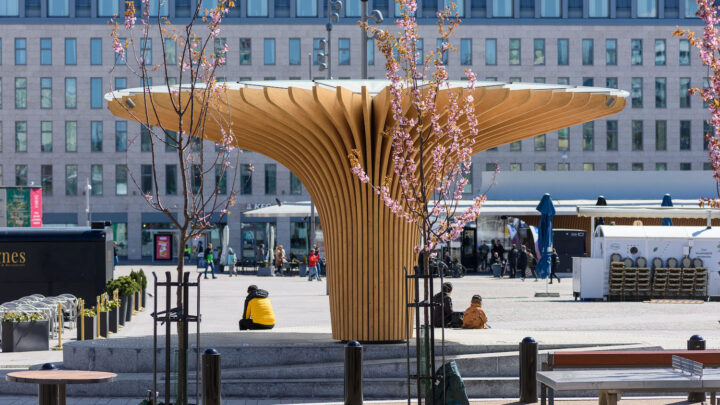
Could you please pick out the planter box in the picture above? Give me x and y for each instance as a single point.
(90, 328)
(104, 318)
(129, 308)
(113, 320)
(25, 336)
(143, 298)
(136, 302)
(122, 313)
(265, 272)
(302, 269)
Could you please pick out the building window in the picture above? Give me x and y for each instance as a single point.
(588, 52)
(637, 135)
(491, 51)
(660, 92)
(96, 92)
(637, 167)
(270, 178)
(96, 136)
(20, 92)
(684, 55)
(46, 136)
(21, 175)
(20, 51)
(684, 92)
(70, 51)
(538, 52)
(502, 8)
(108, 8)
(706, 166)
(636, 55)
(146, 139)
(245, 179)
(515, 167)
(686, 166)
(549, 8)
(611, 52)
(539, 143)
(220, 180)
(612, 167)
(540, 167)
(257, 8)
(317, 48)
(371, 51)
(70, 92)
(459, 6)
(46, 179)
(344, 51)
(71, 180)
(563, 52)
(306, 8)
(691, 8)
(70, 136)
(171, 51)
(598, 8)
(120, 136)
(121, 83)
(514, 51)
(647, 8)
(563, 139)
(95, 51)
(708, 131)
(45, 51)
(636, 92)
(121, 180)
(45, 92)
(588, 167)
(611, 82)
(685, 135)
(9, 8)
(490, 167)
(220, 52)
(294, 51)
(146, 51)
(295, 185)
(96, 179)
(20, 136)
(269, 51)
(440, 44)
(58, 8)
(171, 179)
(661, 166)
(588, 129)
(660, 52)
(563, 167)
(661, 135)
(466, 51)
(539, 80)
(245, 51)
(516, 146)
(197, 177)
(588, 81)
(158, 8)
(612, 135)
(146, 179)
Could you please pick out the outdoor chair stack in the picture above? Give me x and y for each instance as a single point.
(660, 280)
(674, 281)
(617, 274)
(630, 280)
(644, 288)
(700, 285)
(47, 306)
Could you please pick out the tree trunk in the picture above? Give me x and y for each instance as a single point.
(182, 364)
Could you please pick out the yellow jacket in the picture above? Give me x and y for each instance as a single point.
(258, 308)
(474, 317)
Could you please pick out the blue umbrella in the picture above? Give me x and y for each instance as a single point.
(667, 202)
(545, 235)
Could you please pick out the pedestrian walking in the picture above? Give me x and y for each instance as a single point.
(115, 254)
(512, 261)
(313, 270)
(554, 261)
(231, 261)
(279, 259)
(209, 260)
(522, 263)
(483, 251)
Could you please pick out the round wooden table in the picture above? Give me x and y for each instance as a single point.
(51, 383)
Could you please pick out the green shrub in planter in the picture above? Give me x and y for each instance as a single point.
(90, 326)
(23, 332)
(103, 318)
(143, 286)
(113, 315)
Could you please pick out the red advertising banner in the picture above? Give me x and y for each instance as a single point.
(162, 247)
(36, 208)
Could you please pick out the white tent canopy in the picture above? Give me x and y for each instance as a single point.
(646, 212)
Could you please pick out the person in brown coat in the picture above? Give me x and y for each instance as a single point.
(475, 317)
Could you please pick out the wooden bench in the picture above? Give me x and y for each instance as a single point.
(621, 359)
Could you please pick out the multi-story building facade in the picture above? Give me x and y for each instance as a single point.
(56, 62)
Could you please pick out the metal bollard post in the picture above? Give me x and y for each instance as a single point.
(696, 342)
(528, 370)
(211, 377)
(353, 373)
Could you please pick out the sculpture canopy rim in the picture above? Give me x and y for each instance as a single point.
(373, 87)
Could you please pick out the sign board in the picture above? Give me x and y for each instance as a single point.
(21, 207)
(163, 247)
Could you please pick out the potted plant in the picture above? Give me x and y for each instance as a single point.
(128, 287)
(110, 289)
(265, 269)
(86, 325)
(24, 332)
(103, 317)
(135, 276)
(113, 315)
(143, 286)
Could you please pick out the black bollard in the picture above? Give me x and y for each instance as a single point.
(528, 370)
(211, 377)
(353, 373)
(696, 342)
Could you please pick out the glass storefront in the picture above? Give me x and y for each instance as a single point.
(120, 236)
(147, 236)
(253, 234)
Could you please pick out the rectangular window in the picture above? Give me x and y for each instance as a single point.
(220, 51)
(96, 92)
(120, 83)
(538, 52)
(120, 136)
(71, 180)
(294, 51)
(146, 139)
(269, 51)
(588, 52)
(95, 51)
(46, 179)
(636, 55)
(563, 167)
(637, 167)
(171, 142)
(516, 146)
(220, 180)
(636, 92)
(20, 92)
(45, 51)
(146, 50)
(502, 8)
(661, 135)
(197, 178)
(306, 8)
(70, 51)
(171, 179)
(539, 80)
(661, 166)
(20, 51)
(539, 143)
(563, 52)
(245, 179)
(588, 129)
(58, 8)
(637, 135)
(685, 166)
(352, 8)
(691, 8)
(70, 136)
(549, 8)
(612, 167)
(684, 92)
(491, 51)
(588, 167)
(96, 180)
(685, 142)
(563, 139)
(245, 51)
(121, 180)
(466, 51)
(706, 166)
(70, 92)
(708, 131)
(660, 52)
(108, 8)
(515, 167)
(440, 44)
(344, 51)
(588, 82)
(540, 167)
(611, 52)
(171, 51)
(146, 178)
(21, 175)
(514, 51)
(9, 8)
(295, 185)
(611, 82)
(20, 136)
(684, 55)
(270, 178)
(96, 136)
(158, 8)
(46, 136)
(660, 92)
(45, 92)
(371, 51)
(598, 8)
(647, 8)
(612, 135)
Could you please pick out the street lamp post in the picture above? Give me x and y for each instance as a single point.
(88, 188)
(377, 17)
(333, 9)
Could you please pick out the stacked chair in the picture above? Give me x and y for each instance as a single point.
(47, 306)
(617, 275)
(644, 288)
(660, 278)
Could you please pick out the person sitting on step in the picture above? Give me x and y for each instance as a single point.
(475, 317)
(258, 312)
